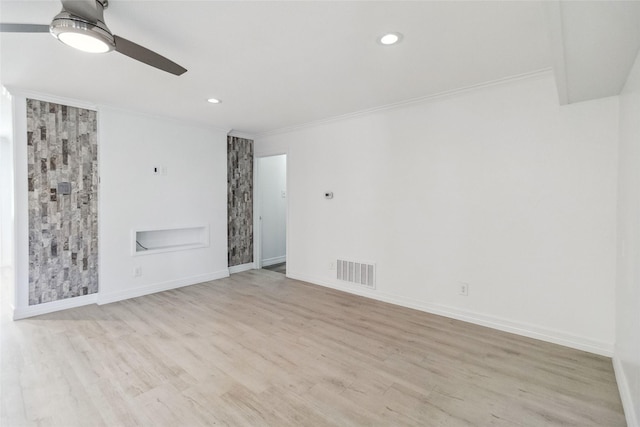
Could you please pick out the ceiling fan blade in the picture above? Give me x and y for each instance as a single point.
(23, 28)
(147, 56)
(87, 9)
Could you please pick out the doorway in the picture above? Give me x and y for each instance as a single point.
(271, 189)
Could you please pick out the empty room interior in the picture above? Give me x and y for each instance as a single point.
(320, 213)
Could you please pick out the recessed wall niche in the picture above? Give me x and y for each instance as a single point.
(153, 241)
(62, 153)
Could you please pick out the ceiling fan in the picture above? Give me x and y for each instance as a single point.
(81, 25)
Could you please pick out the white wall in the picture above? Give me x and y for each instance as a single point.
(498, 187)
(272, 179)
(6, 198)
(627, 350)
(192, 193)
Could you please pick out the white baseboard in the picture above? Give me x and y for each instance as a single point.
(50, 307)
(242, 267)
(519, 328)
(106, 298)
(271, 261)
(625, 393)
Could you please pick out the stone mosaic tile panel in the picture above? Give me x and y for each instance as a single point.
(63, 218)
(240, 200)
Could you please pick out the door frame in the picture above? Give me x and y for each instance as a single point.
(257, 206)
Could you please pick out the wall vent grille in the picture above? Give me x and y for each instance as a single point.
(361, 273)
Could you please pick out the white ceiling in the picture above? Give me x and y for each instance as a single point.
(594, 45)
(280, 64)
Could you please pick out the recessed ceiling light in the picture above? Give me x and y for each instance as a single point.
(214, 101)
(390, 38)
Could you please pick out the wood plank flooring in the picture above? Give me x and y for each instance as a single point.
(260, 349)
(278, 268)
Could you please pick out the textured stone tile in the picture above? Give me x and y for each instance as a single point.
(240, 200)
(63, 228)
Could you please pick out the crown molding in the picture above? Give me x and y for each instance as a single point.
(40, 96)
(239, 134)
(412, 101)
(72, 102)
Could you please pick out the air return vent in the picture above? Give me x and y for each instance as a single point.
(357, 272)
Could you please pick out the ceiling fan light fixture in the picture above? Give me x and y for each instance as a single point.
(83, 42)
(81, 34)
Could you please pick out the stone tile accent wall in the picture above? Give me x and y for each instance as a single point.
(240, 200)
(63, 222)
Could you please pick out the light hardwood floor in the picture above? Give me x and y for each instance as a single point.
(278, 268)
(259, 349)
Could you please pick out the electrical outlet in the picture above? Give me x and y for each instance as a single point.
(163, 170)
(332, 265)
(463, 289)
(137, 271)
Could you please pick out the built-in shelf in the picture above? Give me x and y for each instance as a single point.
(153, 241)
